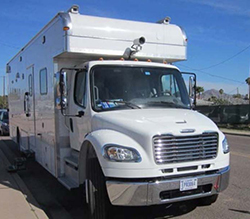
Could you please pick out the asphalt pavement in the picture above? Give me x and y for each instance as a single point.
(58, 202)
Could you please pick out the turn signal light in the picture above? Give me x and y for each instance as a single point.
(65, 28)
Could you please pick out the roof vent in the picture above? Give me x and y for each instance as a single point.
(74, 9)
(165, 20)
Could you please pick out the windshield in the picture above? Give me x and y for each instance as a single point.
(119, 87)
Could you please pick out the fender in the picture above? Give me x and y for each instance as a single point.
(98, 139)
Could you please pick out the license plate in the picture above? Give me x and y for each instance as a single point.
(188, 184)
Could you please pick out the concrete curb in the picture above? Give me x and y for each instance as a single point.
(235, 132)
(34, 206)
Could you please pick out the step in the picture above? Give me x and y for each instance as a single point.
(68, 183)
(72, 161)
(75, 153)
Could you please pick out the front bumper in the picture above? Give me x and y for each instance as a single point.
(156, 192)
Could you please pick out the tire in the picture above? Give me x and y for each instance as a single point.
(96, 192)
(208, 200)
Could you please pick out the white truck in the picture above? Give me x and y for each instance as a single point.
(100, 104)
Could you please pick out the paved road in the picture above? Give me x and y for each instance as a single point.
(58, 202)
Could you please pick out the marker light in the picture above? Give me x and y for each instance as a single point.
(101, 59)
(66, 28)
(136, 60)
(217, 184)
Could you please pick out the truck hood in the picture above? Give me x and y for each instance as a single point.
(150, 122)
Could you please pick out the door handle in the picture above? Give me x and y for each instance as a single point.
(26, 102)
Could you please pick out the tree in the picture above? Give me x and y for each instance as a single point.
(248, 82)
(221, 91)
(199, 90)
(237, 96)
(3, 102)
(212, 98)
(218, 101)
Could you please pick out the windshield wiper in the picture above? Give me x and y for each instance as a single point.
(171, 104)
(127, 103)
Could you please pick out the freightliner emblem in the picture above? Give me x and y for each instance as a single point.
(187, 130)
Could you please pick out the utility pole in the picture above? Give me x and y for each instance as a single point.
(4, 91)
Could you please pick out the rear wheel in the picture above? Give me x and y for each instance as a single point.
(96, 192)
(208, 200)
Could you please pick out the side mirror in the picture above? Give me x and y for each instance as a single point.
(61, 101)
(192, 90)
(63, 83)
(191, 87)
(61, 90)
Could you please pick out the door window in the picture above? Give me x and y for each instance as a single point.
(80, 89)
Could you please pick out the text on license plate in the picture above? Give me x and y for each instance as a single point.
(188, 184)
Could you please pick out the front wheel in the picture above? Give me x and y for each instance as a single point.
(96, 192)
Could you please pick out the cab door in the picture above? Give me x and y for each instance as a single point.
(79, 119)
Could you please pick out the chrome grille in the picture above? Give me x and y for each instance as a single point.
(175, 149)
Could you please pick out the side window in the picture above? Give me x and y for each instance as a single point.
(166, 83)
(80, 89)
(30, 85)
(43, 81)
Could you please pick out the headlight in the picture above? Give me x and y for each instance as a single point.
(225, 146)
(121, 154)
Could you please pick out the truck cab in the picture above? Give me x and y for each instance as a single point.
(150, 145)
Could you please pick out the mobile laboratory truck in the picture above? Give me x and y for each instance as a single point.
(96, 116)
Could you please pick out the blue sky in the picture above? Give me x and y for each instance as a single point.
(216, 30)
